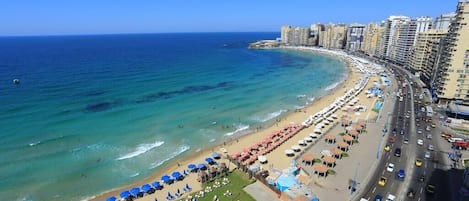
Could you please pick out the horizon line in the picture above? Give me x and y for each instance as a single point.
(134, 33)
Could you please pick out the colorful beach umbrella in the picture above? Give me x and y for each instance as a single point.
(191, 166)
(111, 198)
(146, 187)
(135, 191)
(125, 194)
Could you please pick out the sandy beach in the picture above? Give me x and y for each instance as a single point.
(276, 158)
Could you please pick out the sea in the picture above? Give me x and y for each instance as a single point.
(95, 112)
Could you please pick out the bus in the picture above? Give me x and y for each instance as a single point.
(429, 111)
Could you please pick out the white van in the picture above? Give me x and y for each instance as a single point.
(391, 197)
(454, 139)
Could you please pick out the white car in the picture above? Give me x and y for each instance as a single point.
(391, 197)
(430, 147)
(420, 142)
(428, 155)
(390, 167)
(419, 131)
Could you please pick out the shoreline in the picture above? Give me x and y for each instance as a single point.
(235, 143)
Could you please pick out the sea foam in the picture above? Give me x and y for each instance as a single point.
(179, 151)
(141, 149)
(239, 128)
(270, 116)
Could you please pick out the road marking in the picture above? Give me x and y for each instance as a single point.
(424, 172)
(399, 159)
(374, 189)
(419, 199)
(421, 190)
(389, 156)
(392, 184)
(382, 172)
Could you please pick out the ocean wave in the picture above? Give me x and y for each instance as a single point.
(212, 140)
(180, 150)
(239, 128)
(34, 143)
(134, 175)
(270, 116)
(332, 86)
(141, 149)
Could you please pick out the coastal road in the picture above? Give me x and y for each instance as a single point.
(399, 121)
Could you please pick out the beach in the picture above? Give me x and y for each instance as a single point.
(276, 158)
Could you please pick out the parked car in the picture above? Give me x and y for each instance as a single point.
(430, 189)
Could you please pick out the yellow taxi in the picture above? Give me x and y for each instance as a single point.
(418, 162)
(382, 181)
(433, 125)
(387, 148)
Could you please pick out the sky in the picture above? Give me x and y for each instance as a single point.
(72, 17)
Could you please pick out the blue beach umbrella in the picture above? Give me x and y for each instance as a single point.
(209, 160)
(125, 194)
(166, 178)
(201, 165)
(111, 198)
(191, 166)
(146, 187)
(176, 175)
(156, 184)
(215, 155)
(135, 191)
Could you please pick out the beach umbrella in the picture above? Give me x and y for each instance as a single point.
(166, 178)
(176, 175)
(125, 194)
(187, 186)
(209, 160)
(169, 194)
(112, 199)
(215, 155)
(146, 187)
(201, 165)
(191, 166)
(156, 184)
(135, 191)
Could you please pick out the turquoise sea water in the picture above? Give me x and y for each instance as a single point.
(94, 113)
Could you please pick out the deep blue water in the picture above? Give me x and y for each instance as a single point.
(93, 113)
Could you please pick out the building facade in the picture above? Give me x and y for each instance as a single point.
(296, 36)
(425, 54)
(355, 33)
(443, 21)
(453, 72)
(333, 36)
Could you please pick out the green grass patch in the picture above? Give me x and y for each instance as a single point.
(317, 160)
(342, 134)
(355, 141)
(344, 154)
(238, 180)
(331, 172)
(375, 110)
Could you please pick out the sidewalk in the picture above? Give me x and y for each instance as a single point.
(360, 163)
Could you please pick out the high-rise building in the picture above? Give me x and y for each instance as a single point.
(295, 35)
(425, 54)
(354, 37)
(453, 72)
(443, 21)
(389, 34)
(314, 34)
(404, 36)
(371, 36)
(332, 36)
